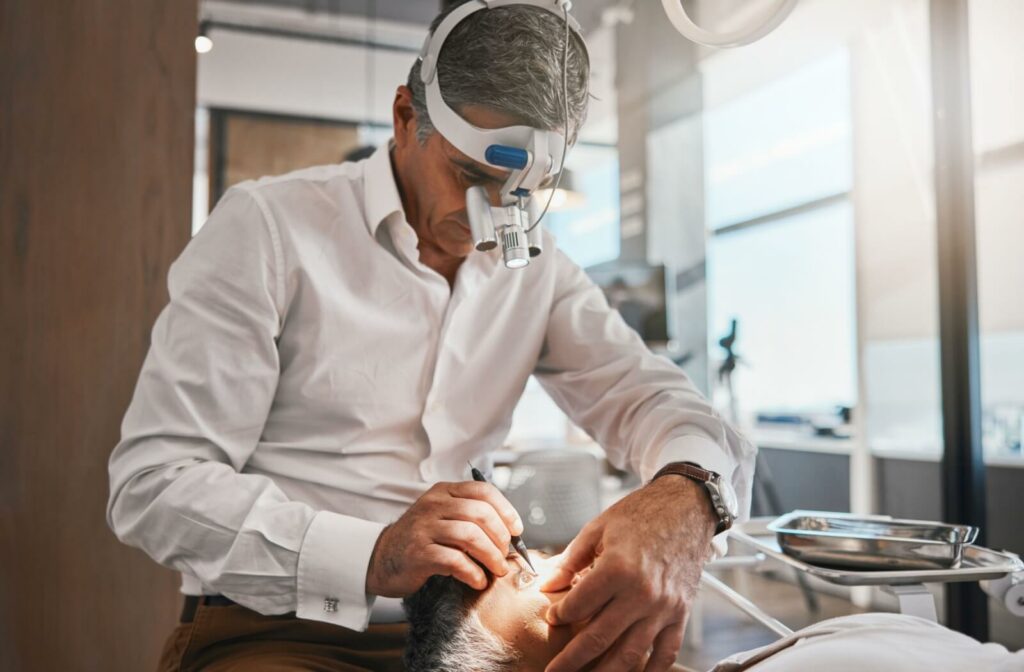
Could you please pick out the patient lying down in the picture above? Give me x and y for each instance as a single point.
(502, 629)
(498, 629)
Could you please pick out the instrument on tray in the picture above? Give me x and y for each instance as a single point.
(871, 542)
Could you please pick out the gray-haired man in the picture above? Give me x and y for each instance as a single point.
(335, 351)
(501, 629)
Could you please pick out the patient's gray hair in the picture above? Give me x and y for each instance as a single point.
(508, 59)
(445, 634)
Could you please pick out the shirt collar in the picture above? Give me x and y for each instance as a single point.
(381, 199)
(380, 193)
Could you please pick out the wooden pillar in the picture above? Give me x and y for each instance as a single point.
(97, 105)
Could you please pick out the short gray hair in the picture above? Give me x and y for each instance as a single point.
(445, 634)
(508, 59)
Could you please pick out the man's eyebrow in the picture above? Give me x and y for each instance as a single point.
(471, 168)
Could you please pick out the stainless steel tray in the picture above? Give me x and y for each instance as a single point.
(871, 542)
(978, 563)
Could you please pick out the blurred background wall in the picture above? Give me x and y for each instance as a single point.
(96, 149)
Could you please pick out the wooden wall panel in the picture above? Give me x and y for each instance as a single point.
(258, 146)
(97, 105)
(247, 146)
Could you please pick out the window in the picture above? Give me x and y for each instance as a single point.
(590, 234)
(778, 174)
(780, 146)
(997, 78)
(790, 285)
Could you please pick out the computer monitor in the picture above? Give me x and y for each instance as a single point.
(638, 292)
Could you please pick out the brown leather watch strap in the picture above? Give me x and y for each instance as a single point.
(691, 471)
(710, 481)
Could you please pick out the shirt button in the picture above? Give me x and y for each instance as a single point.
(427, 471)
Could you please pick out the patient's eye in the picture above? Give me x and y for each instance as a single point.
(524, 578)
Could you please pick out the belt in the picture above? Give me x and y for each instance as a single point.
(192, 602)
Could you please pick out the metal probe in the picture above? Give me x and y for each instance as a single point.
(517, 542)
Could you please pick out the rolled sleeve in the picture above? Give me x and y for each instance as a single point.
(333, 562)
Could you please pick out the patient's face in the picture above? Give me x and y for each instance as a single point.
(513, 608)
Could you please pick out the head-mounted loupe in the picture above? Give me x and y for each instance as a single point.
(530, 154)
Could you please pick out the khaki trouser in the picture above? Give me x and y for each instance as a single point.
(233, 638)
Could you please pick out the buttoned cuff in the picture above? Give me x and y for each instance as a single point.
(333, 562)
(706, 454)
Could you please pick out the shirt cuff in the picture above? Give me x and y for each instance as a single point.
(702, 451)
(333, 562)
(706, 454)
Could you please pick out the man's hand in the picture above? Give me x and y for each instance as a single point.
(443, 532)
(647, 553)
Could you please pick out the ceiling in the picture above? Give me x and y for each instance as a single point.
(587, 12)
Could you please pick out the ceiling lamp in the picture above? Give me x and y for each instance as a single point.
(762, 24)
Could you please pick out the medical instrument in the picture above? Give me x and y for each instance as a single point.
(907, 585)
(744, 605)
(517, 542)
(532, 155)
(871, 542)
(762, 24)
(1000, 574)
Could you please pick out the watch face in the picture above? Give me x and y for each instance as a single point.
(729, 499)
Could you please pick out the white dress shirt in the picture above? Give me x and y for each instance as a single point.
(310, 379)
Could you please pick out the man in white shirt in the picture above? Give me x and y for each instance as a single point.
(333, 354)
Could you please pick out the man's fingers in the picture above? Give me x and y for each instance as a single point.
(578, 556)
(488, 493)
(590, 642)
(630, 649)
(586, 598)
(456, 564)
(468, 537)
(666, 648)
(483, 516)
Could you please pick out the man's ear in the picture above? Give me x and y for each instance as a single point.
(404, 116)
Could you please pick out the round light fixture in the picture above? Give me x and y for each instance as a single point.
(203, 42)
(762, 24)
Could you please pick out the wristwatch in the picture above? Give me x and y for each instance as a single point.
(723, 497)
